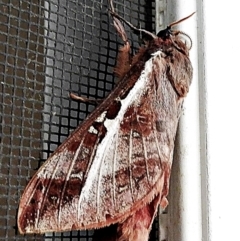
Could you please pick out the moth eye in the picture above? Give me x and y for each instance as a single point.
(113, 109)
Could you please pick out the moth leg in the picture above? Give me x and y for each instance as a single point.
(117, 23)
(84, 99)
(124, 59)
(116, 16)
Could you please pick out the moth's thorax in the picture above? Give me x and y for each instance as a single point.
(169, 44)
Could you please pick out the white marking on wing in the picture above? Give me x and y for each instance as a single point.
(77, 175)
(158, 149)
(133, 98)
(93, 130)
(49, 176)
(101, 118)
(114, 169)
(145, 157)
(67, 179)
(99, 181)
(89, 166)
(129, 163)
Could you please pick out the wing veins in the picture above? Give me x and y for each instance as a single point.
(86, 174)
(67, 177)
(145, 158)
(114, 171)
(46, 192)
(129, 163)
(159, 152)
(99, 178)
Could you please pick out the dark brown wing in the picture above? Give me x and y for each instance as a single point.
(115, 163)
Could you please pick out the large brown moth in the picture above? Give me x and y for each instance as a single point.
(115, 167)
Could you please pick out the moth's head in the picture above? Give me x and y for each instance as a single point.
(174, 35)
(165, 33)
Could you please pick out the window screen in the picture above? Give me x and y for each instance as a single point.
(47, 50)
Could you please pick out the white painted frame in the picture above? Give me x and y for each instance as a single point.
(205, 196)
(183, 218)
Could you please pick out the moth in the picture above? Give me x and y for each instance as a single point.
(114, 169)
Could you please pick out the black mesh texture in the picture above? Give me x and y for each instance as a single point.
(47, 50)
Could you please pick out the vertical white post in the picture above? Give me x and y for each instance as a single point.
(222, 81)
(184, 213)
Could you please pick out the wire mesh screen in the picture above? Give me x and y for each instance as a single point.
(47, 50)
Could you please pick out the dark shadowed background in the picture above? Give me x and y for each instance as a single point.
(47, 50)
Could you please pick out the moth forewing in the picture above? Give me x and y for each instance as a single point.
(115, 167)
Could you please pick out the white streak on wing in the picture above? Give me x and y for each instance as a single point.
(50, 176)
(93, 130)
(67, 178)
(101, 118)
(145, 157)
(77, 175)
(112, 126)
(129, 161)
(99, 182)
(91, 159)
(73, 161)
(46, 172)
(158, 149)
(114, 170)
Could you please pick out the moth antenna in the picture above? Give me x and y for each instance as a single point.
(84, 99)
(168, 32)
(181, 20)
(133, 27)
(113, 13)
(111, 6)
(183, 33)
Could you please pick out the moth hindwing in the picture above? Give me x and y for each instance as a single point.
(115, 167)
